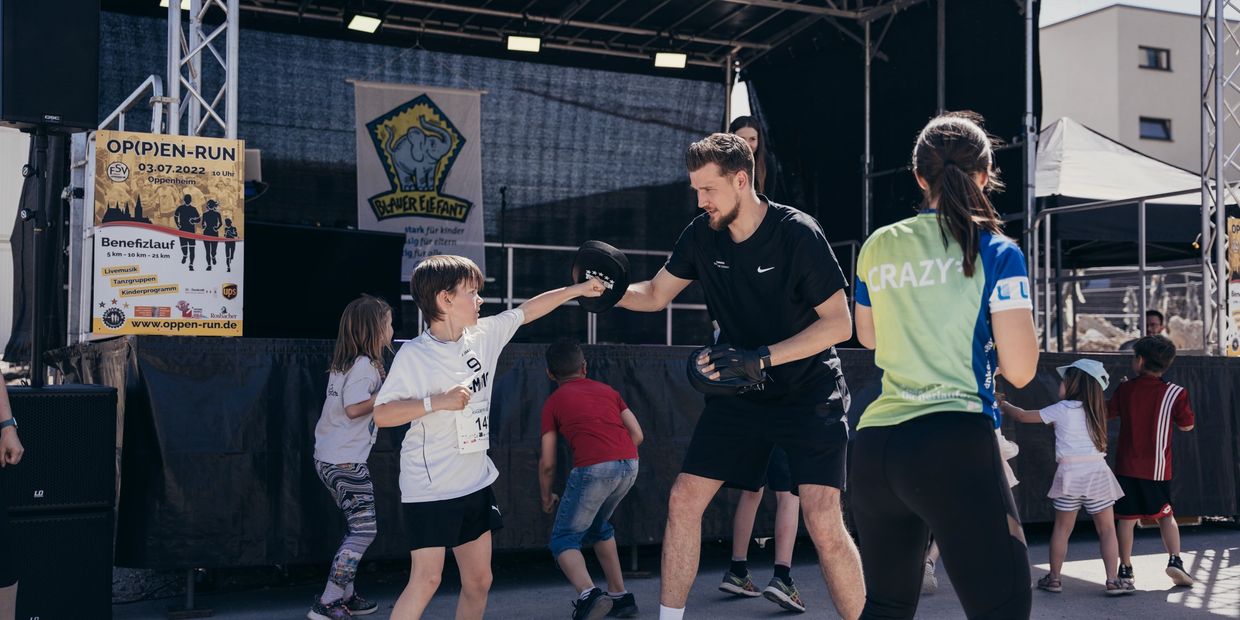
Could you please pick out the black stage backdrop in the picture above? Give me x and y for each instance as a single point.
(811, 98)
(583, 153)
(219, 433)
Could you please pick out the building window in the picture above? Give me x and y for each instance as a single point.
(1155, 58)
(1156, 128)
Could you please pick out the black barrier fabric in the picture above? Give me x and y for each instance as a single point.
(219, 433)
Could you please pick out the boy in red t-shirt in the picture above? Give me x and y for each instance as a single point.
(603, 434)
(1147, 407)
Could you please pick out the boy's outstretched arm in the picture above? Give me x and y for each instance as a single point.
(631, 425)
(543, 303)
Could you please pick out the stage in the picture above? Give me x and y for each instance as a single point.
(216, 467)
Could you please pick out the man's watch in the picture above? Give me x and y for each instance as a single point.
(7, 423)
(764, 354)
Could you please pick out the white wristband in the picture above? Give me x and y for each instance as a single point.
(426, 402)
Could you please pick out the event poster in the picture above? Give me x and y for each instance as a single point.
(169, 235)
(419, 169)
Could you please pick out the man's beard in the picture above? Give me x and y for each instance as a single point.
(726, 220)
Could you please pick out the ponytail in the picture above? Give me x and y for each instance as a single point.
(950, 152)
(963, 209)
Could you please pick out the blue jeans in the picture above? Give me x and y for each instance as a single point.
(590, 496)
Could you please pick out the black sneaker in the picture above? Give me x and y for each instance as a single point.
(334, 610)
(1125, 577)
(1175, 570)
(623, 607)
(359, 606)
(593, 607)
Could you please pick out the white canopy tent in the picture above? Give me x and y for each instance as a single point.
(1077, 162)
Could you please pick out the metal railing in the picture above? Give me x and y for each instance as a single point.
(510, 300)
(153, 85)
(1040, 261)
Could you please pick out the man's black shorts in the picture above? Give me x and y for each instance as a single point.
(778, 474)
(451, 522)
(1143, 499)
(734, 439)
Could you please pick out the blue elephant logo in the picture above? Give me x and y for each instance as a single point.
(417, 144)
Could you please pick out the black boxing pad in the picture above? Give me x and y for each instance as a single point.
(718, 387)
(606, 264)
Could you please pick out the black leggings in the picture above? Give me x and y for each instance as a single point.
(939, 473)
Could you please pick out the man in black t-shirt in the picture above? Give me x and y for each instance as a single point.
(774, 286)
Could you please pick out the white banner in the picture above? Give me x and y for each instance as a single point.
(419, 169)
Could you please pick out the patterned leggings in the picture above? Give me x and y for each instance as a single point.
(354, 493)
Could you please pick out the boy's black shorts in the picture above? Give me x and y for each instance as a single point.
(451, 522)
(1143, 499)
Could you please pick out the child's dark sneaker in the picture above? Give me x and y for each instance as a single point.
(334, 610)
(1125, 576)
(623, 607)
(359, 606)
(1175, 570)
(594, 606)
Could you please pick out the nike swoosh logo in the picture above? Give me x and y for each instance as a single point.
(761, 270)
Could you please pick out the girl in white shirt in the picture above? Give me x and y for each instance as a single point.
(342, 441)
(1083, 478)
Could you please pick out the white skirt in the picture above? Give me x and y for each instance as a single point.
(1091, 479)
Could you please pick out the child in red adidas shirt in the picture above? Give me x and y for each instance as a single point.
(604, 435)
(1147, 408)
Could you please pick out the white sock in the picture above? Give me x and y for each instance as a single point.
(348, 591)
(616, 594)
(668, 613)
(586, 592)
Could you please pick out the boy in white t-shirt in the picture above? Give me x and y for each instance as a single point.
(440, 383)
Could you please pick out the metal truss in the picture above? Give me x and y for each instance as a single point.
(1220, 164)
(203, 102)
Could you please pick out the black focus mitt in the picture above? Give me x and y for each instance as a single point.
(739, 370)
(599, 261)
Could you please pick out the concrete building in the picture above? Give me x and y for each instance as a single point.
(1133, 74)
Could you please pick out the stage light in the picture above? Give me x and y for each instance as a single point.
(364, 23)
(184, 4)
(524, 44)
(670, 60)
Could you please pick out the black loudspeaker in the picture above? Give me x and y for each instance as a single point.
(298, 279)
(49, 64)
(64, 565)
(69, 433)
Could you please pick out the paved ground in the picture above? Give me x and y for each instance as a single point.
(526, 586)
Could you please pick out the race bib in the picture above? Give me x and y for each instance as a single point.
(473, 428)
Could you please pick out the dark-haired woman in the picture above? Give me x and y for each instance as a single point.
(943, 299)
